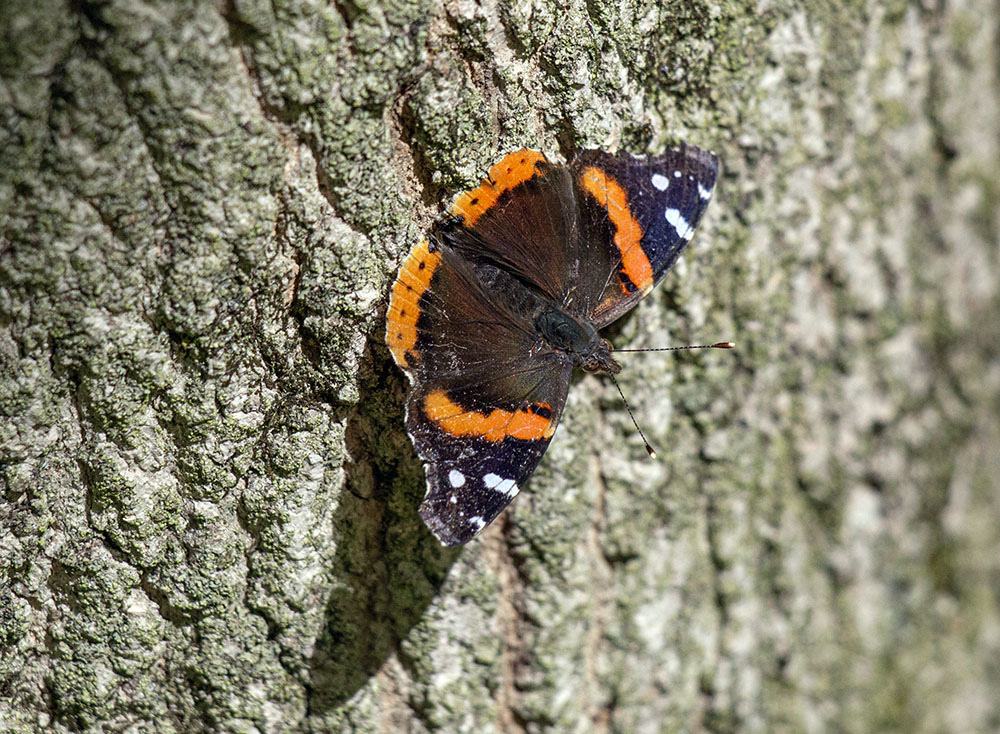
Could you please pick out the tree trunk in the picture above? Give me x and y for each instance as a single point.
(209, 511)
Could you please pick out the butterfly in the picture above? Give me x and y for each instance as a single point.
(505, 297)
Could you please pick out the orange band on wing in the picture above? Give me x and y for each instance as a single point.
(531, 423)
(404, 309)
(628, 232)
(514, 169)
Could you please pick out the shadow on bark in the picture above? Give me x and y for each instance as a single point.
(389, 564)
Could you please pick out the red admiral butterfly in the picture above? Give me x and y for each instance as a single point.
(490, 315)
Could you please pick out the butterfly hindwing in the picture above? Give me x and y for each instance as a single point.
(520, 219)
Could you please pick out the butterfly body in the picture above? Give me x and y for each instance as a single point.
(492, 312)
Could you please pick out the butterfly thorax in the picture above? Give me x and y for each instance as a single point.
(576, 340)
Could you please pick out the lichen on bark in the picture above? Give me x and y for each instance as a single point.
(209, 502)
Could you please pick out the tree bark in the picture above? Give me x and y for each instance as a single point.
(209, 500)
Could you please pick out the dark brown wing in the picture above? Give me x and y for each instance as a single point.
(520, 218)
(482, 409)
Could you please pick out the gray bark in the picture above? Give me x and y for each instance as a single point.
(209, 501)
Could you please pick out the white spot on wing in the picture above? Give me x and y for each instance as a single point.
(456, 478)
(660, 181)
(508, 487)
(504, 486)
(679, 223)
(704, 193)
(477, 523)
(677, 174)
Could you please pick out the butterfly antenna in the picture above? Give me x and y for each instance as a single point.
(649, 449)
(719, 345)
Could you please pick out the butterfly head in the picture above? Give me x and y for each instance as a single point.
(599, 359)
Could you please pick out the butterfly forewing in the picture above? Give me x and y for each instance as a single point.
(482, 409)
(647, 209)
(478, 460)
